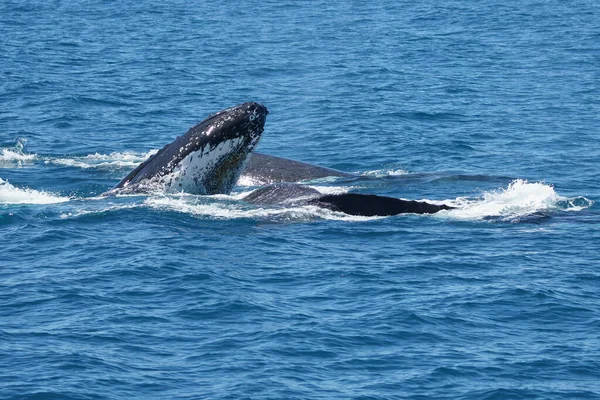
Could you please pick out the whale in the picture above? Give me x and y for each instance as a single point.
(368, 205)
(208, 159)
(212, 155)
(263, 169)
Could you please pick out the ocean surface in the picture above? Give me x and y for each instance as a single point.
(492, 107)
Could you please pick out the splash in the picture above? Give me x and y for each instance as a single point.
(10, 194)
(514, 203)
(222, 207)
(127, 159)
(333, 189)
(102, 209)
(248, 181)
(382, 173)
(520, 199)
(15, 156)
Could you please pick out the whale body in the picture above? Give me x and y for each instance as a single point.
(350, 203)
(263, 169)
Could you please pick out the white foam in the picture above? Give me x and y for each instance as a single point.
(233, 196)
(332, 189)
(103, 161)
(10, 155)
(10, 194)
(15, 156)
(380, 173)
(82, 212)
(518, 200)
(187, 205)
(249, 181)
(190, 205)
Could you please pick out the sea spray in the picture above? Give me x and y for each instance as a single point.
(10, 194)
(520, 199)
(15, 156)
(115, 160)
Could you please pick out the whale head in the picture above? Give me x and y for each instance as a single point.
(229, 138)
(208, 159)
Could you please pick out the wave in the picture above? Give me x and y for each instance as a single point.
(519, 200)
(97, 211)
(15, 156)
(514, 203)
(103, 161)
(10, 194)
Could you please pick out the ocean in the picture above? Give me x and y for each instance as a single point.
(491, 107)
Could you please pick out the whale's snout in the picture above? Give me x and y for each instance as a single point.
(256, 108)
(256, 115)
(255, 111)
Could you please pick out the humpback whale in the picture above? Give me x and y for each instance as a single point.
(263, 169)
(280, 175)
(208, 159)
(350, 203)
(212, 155)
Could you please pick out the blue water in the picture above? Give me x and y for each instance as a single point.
(490, 106)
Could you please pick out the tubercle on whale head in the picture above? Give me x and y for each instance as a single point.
(251, 110)
(246, 119)
(255, 108)
(256, 114)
